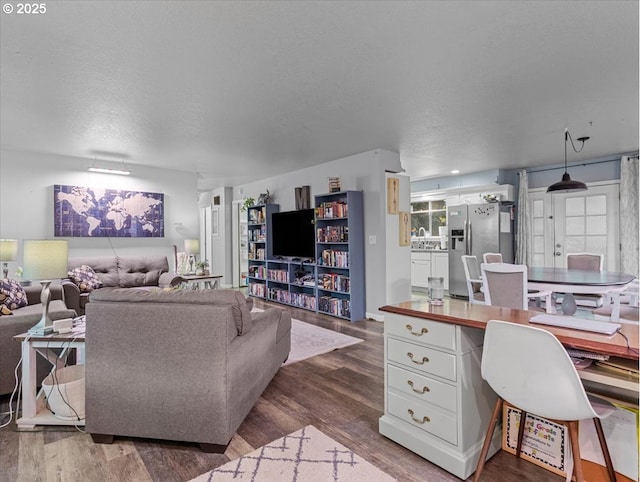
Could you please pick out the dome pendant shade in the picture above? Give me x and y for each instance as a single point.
(567, 185)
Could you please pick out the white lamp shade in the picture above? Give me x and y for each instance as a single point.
(191, 246)
(45, 259)
(8, 249)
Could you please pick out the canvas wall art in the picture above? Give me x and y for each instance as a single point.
(98, 212)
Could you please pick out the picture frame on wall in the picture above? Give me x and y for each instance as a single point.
(404, 219)
(393, 195)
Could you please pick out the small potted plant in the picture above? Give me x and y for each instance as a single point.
(202, 267)
(248, 202)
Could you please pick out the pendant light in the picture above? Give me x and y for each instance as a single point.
(567, 184)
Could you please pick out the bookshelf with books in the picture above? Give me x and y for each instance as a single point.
(340, 254)
(292, 283)
(259, 247)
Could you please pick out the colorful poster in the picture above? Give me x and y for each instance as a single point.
(98, 212)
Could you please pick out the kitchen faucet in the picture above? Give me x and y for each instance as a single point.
(421, 231)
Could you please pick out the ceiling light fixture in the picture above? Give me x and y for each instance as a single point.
(455, 171)
(567, 184)
(105, 170)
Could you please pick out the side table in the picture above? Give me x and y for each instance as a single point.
(210, 281)
(34, 410)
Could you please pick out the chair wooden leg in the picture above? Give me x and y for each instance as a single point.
(487, 440)
(523, 422)
(605, 450)
(575, 450)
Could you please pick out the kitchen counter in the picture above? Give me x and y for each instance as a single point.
(416, 250)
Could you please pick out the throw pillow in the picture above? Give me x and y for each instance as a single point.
(14, 295)
(85, 278)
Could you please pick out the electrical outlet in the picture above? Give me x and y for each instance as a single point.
(372, 239)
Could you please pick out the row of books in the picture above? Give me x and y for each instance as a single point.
(334, 258)
(257, 234)
(257, 289)
(335, 306)
(280, 275)
(333, 234)
(332, 209)
(257, 216)
(257, 272)
(334, 282)
(302, 300)
(256, 253)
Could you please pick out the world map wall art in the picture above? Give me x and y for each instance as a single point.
(98, 212)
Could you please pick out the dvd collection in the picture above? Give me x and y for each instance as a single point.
(302, 300)
(332, 209)
(335, 306)
(334, 282)
(334, 258)
(333, 234)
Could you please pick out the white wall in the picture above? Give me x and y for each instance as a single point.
(366, 172)
(26, 202)
(398, 260)
(216, 248)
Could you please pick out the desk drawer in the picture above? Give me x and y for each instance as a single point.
(424, 416)
(417, 330)
(424, 388)
(421, 358)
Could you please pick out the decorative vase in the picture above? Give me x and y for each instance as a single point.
(569, 306)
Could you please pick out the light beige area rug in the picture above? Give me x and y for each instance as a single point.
(308, 340)
(307, 455)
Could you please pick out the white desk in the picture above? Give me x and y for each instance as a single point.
(34, 410)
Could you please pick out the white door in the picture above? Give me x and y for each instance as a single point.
(581, 222)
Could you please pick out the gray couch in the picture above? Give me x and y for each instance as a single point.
(122, 272)
(178, 365)
(19, 322)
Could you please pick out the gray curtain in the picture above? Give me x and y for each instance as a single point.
(629, 215)
(523, 234)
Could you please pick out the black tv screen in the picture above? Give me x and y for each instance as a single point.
(293, 234)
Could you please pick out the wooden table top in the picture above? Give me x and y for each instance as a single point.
(460, 312)
(577, 276)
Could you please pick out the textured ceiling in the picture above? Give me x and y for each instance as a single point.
(239, 91)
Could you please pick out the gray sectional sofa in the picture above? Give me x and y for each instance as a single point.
(122, 272)
(19, 322)
(179, 364)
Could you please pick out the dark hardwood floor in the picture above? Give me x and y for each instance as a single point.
(340, 393)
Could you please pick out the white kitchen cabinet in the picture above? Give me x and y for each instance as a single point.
(420, 269)
(440, 267)
(425, 264)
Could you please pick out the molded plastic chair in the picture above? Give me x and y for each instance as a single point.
(474, 279)
(621, 305)
(492, 257)
(505, 284)
(528, 368)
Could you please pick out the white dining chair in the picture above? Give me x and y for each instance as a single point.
(492, 257)
(474, 279)
(505, 285)
(529, 368)
(586, 262)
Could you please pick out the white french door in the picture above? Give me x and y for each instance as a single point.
(581, 222)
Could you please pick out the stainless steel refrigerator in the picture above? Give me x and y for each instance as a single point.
(475, 229)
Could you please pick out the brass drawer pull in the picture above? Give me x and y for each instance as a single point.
(422, 362)
(424, 331)
(417, 420)
(425, 388)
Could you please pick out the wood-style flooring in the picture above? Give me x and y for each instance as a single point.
(340, 393)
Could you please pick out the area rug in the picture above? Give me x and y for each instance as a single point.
(307, 455)
(309, 340)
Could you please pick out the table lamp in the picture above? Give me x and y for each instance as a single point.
(44, 260)
(8, 252)
(191, 247)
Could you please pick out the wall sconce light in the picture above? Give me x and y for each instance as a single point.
(8, 252)
(106, 170)
(45, 260)
(567, 184)
(191, 247)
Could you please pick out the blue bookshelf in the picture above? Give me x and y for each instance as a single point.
(259, 247)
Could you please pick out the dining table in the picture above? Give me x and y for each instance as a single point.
(577, 281)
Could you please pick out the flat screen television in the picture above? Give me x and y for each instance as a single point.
(293, 234)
